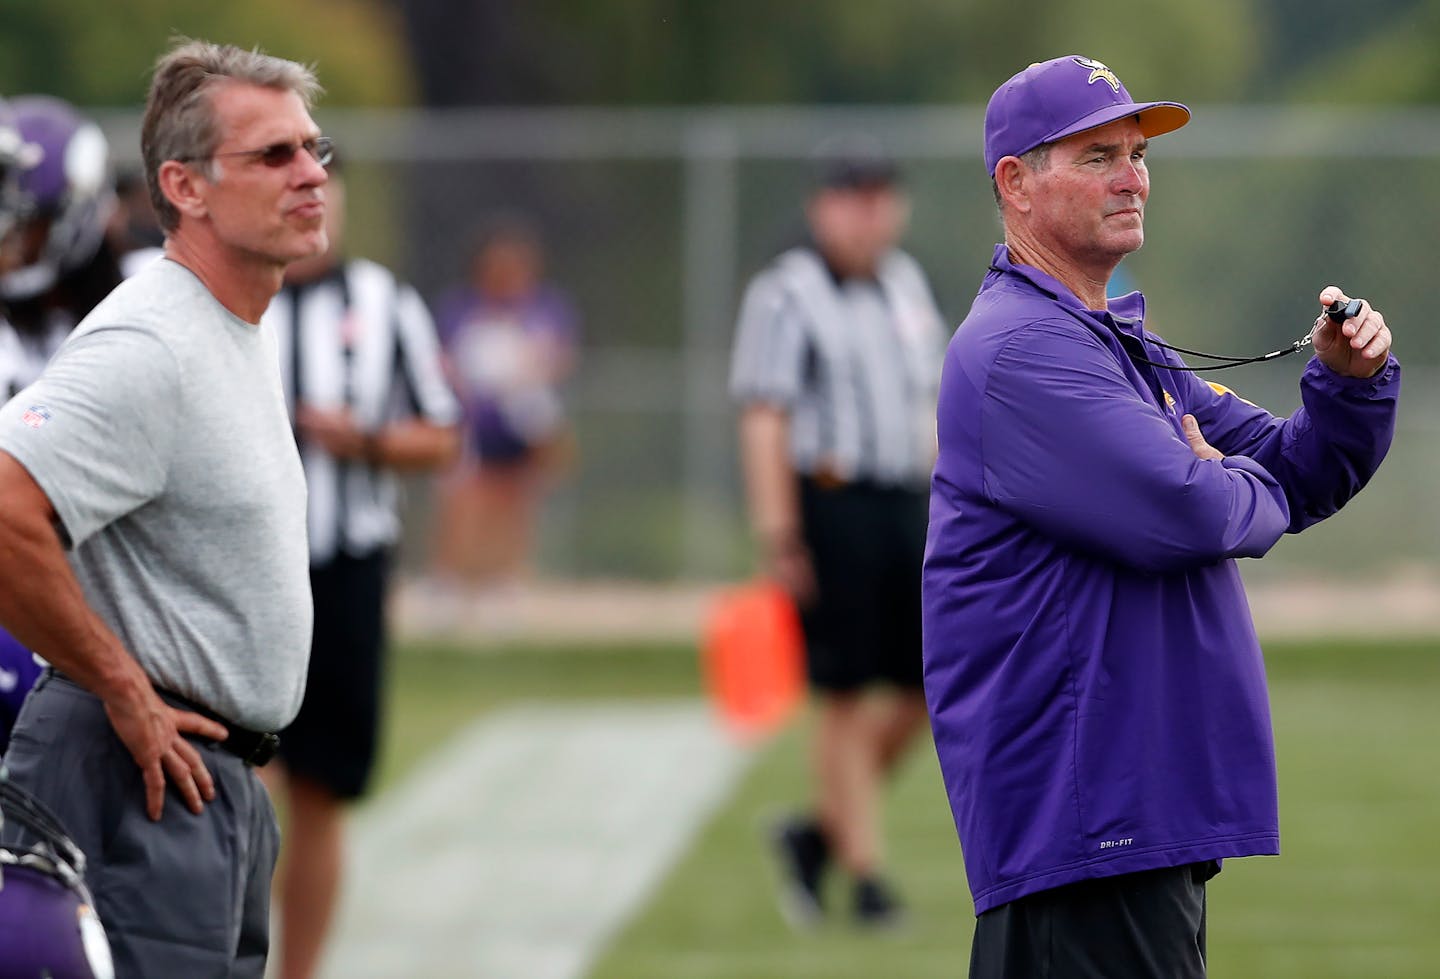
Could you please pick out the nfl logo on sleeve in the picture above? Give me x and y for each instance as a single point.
(36, 415)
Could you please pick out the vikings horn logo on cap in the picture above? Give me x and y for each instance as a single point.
(1099, 72)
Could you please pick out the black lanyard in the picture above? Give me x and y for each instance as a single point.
(1337, 311)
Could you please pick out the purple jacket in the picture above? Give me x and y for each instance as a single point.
(1094, 680)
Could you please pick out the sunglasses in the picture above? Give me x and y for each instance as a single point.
(277, 155)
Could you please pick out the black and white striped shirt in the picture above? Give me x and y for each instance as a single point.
(357, 339)
(856, 363)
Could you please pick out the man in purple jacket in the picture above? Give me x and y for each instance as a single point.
(1093, 676)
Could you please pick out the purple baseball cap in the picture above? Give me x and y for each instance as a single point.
(1061, 97)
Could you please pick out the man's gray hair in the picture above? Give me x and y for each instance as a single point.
(179, 114)
(1036, 159)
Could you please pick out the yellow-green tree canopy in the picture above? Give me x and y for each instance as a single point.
(100, 52)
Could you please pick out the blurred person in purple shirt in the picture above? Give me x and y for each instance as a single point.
(1095, 684)
(510, 340)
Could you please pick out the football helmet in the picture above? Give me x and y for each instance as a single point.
(65, 199)
(16, 156)
(48, 925)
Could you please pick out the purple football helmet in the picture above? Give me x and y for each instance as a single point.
(67, 196)
(48, 925)
(16, 156)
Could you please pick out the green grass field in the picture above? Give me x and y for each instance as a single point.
(1355, 893)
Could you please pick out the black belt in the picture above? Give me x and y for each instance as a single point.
(252, 747)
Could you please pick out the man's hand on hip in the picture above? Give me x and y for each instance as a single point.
(154, 732)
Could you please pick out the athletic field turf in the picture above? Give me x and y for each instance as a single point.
(1355, 894)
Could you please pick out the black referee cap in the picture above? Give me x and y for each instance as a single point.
(854, 162)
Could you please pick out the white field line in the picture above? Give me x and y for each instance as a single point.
(520, 848)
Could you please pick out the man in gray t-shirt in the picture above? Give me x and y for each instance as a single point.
(156, 450)
(160, 438)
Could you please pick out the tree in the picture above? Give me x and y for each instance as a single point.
(97, 52)
(649, 52)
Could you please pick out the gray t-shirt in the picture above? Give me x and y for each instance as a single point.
(160, 435)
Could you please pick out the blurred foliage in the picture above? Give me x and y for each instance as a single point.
(1398, 65)
(479, 52)
(841, 51)
(645, 52)
(97, 52)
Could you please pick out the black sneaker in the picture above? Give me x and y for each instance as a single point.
(876, 904)
(803, 853)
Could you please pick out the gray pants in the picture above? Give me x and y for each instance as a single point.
(186, 897)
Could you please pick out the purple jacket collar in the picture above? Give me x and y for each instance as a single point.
(1124, 310)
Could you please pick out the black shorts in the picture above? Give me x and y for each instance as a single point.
(1147, 925)
(333, 739)
(867, 543)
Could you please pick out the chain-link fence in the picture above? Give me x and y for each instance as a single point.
(653, 220)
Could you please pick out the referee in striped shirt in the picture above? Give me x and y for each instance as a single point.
(361, 369)
(835, 365)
